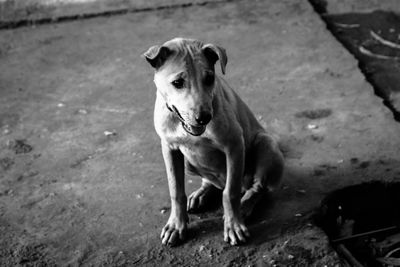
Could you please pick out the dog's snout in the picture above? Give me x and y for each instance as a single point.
(203, 117)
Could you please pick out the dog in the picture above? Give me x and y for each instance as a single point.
(207, 130)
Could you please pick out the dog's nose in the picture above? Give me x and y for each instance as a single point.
(203, 118)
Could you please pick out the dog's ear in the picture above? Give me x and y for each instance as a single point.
(214, 53)
(157, 55)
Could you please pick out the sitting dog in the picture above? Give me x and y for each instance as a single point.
(207, 130)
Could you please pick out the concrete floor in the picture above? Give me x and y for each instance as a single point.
(83, 197)
(16, 11)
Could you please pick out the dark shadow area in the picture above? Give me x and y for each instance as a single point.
(211, 202)
(320, 6)
(210, 216)
(364, 220)
(261, 209)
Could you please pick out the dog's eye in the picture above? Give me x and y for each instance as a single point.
(209, 79)
(178, 83)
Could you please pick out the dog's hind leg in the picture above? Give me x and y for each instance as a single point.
(268, 169)
(203, 197)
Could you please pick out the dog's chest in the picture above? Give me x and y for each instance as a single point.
(205, 157)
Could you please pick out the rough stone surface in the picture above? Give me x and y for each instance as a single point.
(83, 197)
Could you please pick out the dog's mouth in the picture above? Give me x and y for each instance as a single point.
(194, 130)
(190, 129)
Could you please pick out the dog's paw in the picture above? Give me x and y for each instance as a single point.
(197, 200)
(203, 198)
(235, 232)
(174, 231)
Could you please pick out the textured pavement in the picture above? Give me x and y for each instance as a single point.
(93, 189)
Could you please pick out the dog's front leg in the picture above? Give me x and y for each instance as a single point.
(234, 229)
(176, 226)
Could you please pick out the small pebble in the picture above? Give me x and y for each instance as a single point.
(60, 105)
(110, 133)
(298, 215)
(312, 126)
(164, 210)
(290, 257)
(82, 111)
(6, 131)
(10, 143)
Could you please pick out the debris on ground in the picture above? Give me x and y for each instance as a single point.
(20, 146)
(82, 111)
(164, 210)
(306, 247)
(312, 126)
(6, 163)
(313, 114)
(363, 223)
(301, 191)
(110, 133)
(6, 130)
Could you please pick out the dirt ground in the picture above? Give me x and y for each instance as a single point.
(82, 181)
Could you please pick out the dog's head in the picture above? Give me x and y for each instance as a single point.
(185, 78)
